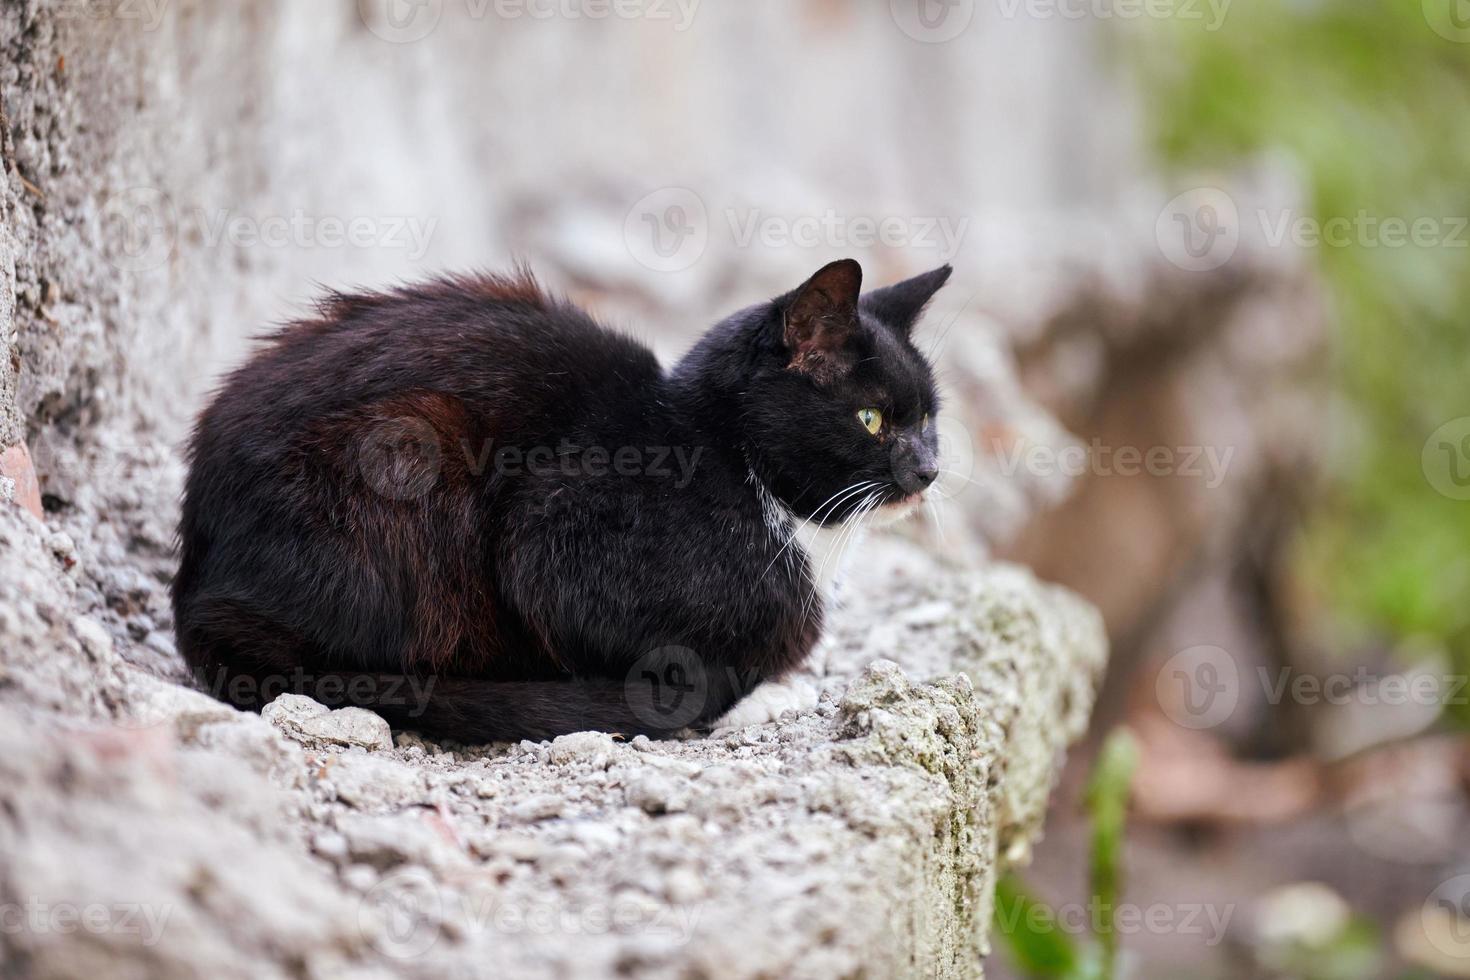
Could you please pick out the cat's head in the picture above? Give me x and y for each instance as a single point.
(839, 416)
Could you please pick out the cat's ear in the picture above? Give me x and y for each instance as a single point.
(820, 316)
(898, 306)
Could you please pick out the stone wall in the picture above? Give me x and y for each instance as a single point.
(179, 175)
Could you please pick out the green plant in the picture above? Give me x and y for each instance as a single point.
(1031, 930)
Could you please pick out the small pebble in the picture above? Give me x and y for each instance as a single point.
(94, 638)
(657, 793)
(682, 886)
(360, 877)
(330, 844)
(537, 808)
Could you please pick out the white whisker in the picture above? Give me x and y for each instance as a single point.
(800, 523)
(850, 530)
(934, 506)
(957, 475)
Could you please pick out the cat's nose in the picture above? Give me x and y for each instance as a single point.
(915, 466)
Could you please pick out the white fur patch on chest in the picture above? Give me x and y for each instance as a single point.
(828, 551)
(778, 519)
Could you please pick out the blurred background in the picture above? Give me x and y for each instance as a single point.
(1205, 347)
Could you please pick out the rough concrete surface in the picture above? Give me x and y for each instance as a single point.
(149, 831)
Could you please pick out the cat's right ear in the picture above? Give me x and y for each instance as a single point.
(820, 317)
(899, 305)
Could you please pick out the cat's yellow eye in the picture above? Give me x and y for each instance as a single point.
(871, 418)
(924, 425)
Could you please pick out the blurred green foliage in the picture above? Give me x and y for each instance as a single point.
(1034, 941)
(1107, 803)
(1372, 103)
(1356, 952)
(1032, 931)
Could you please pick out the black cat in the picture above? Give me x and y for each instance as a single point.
(470, 507)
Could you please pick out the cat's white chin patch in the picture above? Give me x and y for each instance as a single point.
(890, 514)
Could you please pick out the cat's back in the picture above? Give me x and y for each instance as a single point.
(493, 346)
(470, 336)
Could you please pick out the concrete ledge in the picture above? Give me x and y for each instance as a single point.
(859, 836)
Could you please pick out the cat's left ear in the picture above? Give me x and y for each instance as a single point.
(898, 306)
(820, 317)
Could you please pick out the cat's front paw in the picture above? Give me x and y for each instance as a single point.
(768, 702)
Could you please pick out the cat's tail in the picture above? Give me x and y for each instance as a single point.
(476, 711)
(662, 694)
